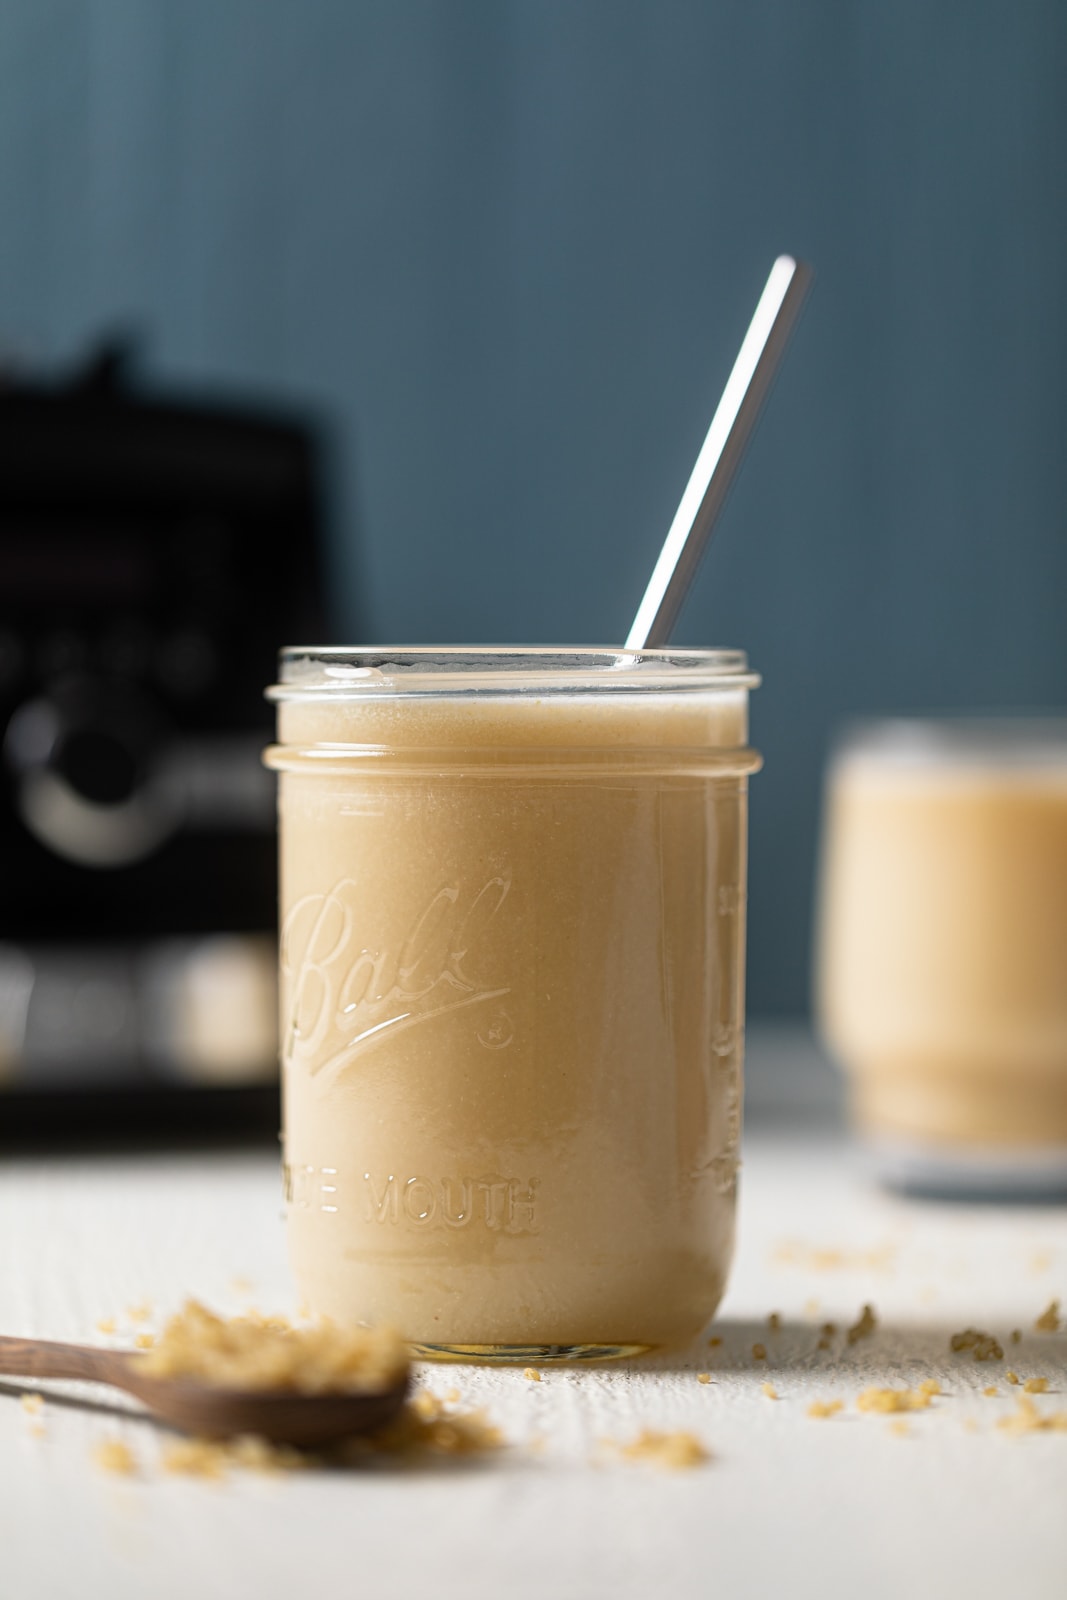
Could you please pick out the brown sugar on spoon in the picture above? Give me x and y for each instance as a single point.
(219, 1378)
(257, 1352)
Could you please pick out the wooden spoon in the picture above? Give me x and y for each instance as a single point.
(282, 1415)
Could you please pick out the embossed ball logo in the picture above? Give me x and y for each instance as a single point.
(346, 994)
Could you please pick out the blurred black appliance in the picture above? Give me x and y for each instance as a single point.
(153, 556)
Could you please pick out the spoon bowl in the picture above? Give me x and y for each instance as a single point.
(284, 1416)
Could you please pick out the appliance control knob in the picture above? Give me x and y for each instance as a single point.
(89, 784)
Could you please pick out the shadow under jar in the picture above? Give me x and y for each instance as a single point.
(512, 947)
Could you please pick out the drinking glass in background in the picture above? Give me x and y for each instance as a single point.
(941, 966)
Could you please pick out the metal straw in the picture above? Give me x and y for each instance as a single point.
(720, 455)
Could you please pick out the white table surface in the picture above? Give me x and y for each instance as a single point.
(787, 1505)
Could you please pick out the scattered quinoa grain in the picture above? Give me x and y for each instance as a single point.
(197, 1458)
(714, 1342)
(139, 1313)
(929, 1386)
(769, 1390)
(864, 1326)
(675, 1450)
(876, 1399)
(899, 1430)
(1035, 1386)
(983, 1346)
(1028, 1419)
(990, 1390)
(532, 1374)
(1013, 1377)
(260, 1455)
(1049, 1320)
(33, 1403)
(425, 1427)
(759, 1352)
(1016, 1335)
(106, 1325)
(774, 1321)
(825, 1408)
(703, 1377)
(145, 1341)
(114, 1456)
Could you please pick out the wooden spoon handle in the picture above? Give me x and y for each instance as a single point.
(42, 1358)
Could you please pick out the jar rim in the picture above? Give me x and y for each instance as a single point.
(341, 672)
(955, 738)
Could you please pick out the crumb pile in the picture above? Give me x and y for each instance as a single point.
(676, 1450)
(253, 1352)
(888, 1400)
(213, 1458)
(1049, 1320)
(821, 1409)
(425, 1427)
(1028, 1419)
(863, 1327)
(983, 1346)
(114, 1456)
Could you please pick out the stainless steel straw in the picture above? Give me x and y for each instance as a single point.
(720, 455)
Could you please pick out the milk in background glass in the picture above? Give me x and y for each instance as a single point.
(942, 967)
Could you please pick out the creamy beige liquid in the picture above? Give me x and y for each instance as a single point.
(512, 968)
(943, 968)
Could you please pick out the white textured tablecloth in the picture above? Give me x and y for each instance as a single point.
(787, 1504)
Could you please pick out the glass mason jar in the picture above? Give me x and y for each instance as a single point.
(512, 946)
(942, 962)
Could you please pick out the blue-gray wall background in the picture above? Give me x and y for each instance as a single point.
(507, 249)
